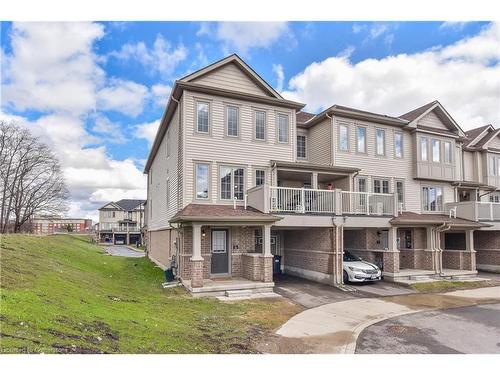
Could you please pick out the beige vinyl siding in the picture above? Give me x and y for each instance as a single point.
(320, 143)
(468, 166)
(217, 149)
(164, 169)
(373, 166)
(432, 121)
(495, 142)
(230, 77)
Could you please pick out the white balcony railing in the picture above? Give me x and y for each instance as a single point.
(335, 202)
(475, 211)
(300, 200)
(361, 203)
(117, 227)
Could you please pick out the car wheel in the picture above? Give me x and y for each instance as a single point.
(345, 277)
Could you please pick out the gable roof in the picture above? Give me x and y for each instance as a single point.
(415, 115)
(302, 117)
(243, 66)
(483, 142)
(129, 204)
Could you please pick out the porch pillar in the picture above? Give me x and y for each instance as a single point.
(314, 180)
(469, 240)
(267, 257)
(391, 256)
(196, 258)
(470, 255)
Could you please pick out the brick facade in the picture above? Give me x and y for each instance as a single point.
(309, 249)
(487, 246)
(459, 260)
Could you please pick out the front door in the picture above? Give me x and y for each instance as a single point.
(220, 253)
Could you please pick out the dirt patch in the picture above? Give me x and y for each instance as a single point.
(325, 344)
(63, 335)
(73, 349)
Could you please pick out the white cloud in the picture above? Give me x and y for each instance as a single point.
(280, 76)
(464, 76)
(123, 96)
(161, 58)
(52, 68)
(160, 94)
(242, 36)
(453, 25)
(147, 131)
(112, 132)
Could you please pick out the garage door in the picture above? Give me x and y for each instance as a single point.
(120, 239)
(134, 239)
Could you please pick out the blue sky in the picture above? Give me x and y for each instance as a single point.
(97, 90)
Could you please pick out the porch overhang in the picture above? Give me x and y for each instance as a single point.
(413, 219)
(209, 213)
(312, 167)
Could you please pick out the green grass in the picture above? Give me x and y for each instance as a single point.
(62, 294)
(447, 286)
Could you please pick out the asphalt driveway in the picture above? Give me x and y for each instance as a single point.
(312, 294)
(123, 251)
(438, 332)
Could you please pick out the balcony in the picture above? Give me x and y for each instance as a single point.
(112, 227)
(475, 211)
(317, 201)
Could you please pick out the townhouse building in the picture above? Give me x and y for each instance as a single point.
(121, 222)
(239, 176)
(48, 225)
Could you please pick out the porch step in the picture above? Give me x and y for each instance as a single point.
(419, 277)
(465, 277)
(246, 292)
(249, 296)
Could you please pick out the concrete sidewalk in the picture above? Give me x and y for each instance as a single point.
(335, 327)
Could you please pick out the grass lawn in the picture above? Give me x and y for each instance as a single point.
(448, 286)
(62, 294)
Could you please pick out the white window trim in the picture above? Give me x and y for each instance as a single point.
(404, 191)
(196, 129)
(305, 146)
(255, 176)
(402, 146)
(233, 167)
(444, 152)
(376, 142)
(356, 183)
(381, 179)
(226, 121)
(422, 198)
(426, 149)
(357, 140)
(439, 148)
(254, 135)
(209, 181)
(345, 125)
(278, 128)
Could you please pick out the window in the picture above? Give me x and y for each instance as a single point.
(436, 150)
(232, 121)
(495, 198)
(398, 145)
(361, 139)
(495, 166)
(381, 186)
(361, 184)
(260, 177)
(202, 173)
(301, 146)
(260, 125)
(232, 182)
(432, 198)
(202, 117)
(447, 152)
(282, 128)
(113, 213)
(380, 142)
(343, 137)
(129, 215)
(424, 146)
(400, 192)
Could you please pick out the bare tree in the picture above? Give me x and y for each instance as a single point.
(31, 180)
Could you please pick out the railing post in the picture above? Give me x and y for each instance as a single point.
(368, 203)
(395, 204)
(491, 211)
(337, 202)
(303, 200)
(476, 211)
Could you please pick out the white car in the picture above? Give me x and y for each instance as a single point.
(357, 270)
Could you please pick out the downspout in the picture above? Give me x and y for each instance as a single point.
(439, 258)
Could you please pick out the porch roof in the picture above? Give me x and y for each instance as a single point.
(220, 212)
(472, 184)
(313, 166)
(411, 218)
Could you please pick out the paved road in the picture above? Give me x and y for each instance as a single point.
(472, 329)
(123, 251)
(311, 294)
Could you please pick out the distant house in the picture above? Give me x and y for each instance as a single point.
(120, 222)
(46, 225)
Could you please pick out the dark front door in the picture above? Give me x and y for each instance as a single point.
(220, 253)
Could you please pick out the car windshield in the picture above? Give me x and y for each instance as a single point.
(349, 257)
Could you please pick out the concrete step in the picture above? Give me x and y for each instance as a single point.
(238, 293)
(420, 277)
(249, 296)
(464, 277)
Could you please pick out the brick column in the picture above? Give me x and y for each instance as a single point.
(391, 256)
(196, 258)
(267, 258)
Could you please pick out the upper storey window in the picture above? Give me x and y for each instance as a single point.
(301, 146)
(202, 117)
(447, 152)
(398, 145)
(260, 125)
(232, 121)
(283, 128)
(380, 142)
(343, 137)
(436, 150)
(361, 139)
(424, 146)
